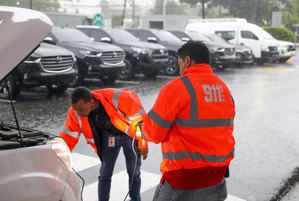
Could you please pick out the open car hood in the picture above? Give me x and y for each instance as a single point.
(21, 32)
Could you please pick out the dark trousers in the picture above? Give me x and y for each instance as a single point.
(109, 156)
(164, 192)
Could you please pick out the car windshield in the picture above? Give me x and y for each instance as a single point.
(179, 34)
(69, 34)
(166, 36)
(199, 36)
(262, 34)
(215, 38)
(120, 35)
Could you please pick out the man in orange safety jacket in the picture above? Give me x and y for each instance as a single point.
(193, 119)
(108, 119)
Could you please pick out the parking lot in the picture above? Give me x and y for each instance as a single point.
(266, 129)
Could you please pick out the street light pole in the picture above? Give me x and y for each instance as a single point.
(203, 9)
(124, 12)
(133, 12)
(164, 7)
(30, 4)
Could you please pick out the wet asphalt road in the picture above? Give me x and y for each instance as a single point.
(266, 125)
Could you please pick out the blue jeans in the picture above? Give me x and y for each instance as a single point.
(109, 156)
(164, 192)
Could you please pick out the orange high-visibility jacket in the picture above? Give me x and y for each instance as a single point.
(193, 118)
(124, 109)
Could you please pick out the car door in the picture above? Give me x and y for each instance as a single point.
(249, 39)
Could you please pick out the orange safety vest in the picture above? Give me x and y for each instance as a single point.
(124, 109)
(193, 118)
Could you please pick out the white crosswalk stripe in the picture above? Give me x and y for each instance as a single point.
(119, 184)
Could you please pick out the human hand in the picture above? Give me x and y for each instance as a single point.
(144, 153)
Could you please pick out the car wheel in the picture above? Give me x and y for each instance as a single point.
(128, 72)
(283, 60)
(109, 79)
(172, 67)
(13, 87)
(150, 73)
(259, 61)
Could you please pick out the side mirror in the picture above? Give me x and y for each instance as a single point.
(49, 39)
(105, 40)
(152, 39)
(185, 39)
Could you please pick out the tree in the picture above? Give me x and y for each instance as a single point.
(41, 5)
(256, 11)
(290, 15)
(172, 8)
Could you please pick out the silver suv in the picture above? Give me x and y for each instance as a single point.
(34, 165)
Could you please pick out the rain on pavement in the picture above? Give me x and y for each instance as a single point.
(266, 125)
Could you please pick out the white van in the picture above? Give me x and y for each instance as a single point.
(239, 31)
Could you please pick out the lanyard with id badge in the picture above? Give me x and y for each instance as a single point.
(111, 141)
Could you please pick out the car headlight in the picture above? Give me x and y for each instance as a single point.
(220, 49)
(90, 53)
(265, 48)
(32, 59)
(85, 52)
(60, 148)
(140, 50)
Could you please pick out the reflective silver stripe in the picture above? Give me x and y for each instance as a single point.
(90, 140)
(158, 120)
(143, 136)
(204, 122)
(196, 156)
(194, 121)
(71, 133)
(115, 100)
(191, 91)
(137, 115)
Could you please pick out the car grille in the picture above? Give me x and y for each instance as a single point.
(159, 54)
(113, 57)
(272, 48)
(229, 51)
(57, 63)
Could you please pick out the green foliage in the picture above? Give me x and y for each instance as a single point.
(281, 33)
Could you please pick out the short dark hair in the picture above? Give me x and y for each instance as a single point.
(196, 50)
(81, 93)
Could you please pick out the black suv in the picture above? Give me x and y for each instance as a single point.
(48, 65)
(166, 39)
(94, 59)
(244, 54)
(144, 57)
(223, 54)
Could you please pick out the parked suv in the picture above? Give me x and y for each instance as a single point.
(94, 59)
(48, 65)
(34, 165)
(222, 54)
(244, 54)
(144, 57)
(166, 39)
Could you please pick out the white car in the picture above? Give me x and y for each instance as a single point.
(285, 50)
(34, 165)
